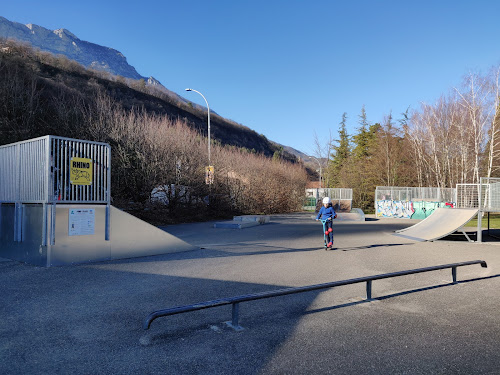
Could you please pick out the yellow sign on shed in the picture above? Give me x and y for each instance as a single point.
(81, 171)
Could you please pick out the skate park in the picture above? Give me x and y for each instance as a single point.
(88, 317)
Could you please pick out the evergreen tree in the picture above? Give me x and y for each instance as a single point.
(341, 152)
(361, 169)
(360, 140)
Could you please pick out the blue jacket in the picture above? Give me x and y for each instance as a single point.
(325, 213)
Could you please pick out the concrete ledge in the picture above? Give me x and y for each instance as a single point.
(236, 224)
(356, 214)
(261, 219)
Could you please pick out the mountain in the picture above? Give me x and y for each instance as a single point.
(64, 42)
(99, 58)
(297, 153)
(90, 55)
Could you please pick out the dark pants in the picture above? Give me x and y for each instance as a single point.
(328, 225)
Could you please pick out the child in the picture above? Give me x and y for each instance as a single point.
(327, 213)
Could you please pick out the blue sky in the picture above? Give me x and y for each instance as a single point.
(285, 68)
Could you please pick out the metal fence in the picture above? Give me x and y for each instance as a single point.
(333, 193)
(431, 194)
(489, 194)
(40, 171)
(340, 196)
(468, 195)
(23, 172)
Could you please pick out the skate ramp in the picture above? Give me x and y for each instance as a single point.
(130, 237)
(441, 223)
(133, 237)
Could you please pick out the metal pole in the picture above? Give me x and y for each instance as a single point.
(208, 109)
(235, 314)
(369, 290)
(479, 235)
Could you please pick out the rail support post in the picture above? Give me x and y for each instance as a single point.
(234, 323)
(454, 274)
(369, 290)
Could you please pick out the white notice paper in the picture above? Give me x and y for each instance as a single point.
(81, 221)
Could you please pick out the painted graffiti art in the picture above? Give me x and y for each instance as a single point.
(408, 209)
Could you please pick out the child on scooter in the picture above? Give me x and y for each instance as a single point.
(327, 213)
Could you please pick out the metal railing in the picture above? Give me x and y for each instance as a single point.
(235, 301)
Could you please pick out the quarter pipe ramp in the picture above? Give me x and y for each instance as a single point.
(441, 223)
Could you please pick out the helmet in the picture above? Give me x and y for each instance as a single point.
(326, 200)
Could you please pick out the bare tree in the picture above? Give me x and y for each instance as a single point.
(322, 152)
(494, 139)
(475, 102)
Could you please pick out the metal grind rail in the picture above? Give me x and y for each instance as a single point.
(235, 301)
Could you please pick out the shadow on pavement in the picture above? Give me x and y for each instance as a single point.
(88, 319)
(406, 292)
(377, 245)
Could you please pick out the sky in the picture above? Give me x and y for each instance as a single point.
(289, 69)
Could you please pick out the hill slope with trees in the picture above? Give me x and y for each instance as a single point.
(157, 144)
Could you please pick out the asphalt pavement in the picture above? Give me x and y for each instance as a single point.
(87, 319)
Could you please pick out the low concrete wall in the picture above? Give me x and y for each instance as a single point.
(356, 214)
(243, 221)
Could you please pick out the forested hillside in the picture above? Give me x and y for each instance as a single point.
(157, 144)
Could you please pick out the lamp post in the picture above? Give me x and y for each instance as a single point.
(208, 109)
(312, 157)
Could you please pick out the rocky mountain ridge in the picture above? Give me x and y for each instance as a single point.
(64, 42)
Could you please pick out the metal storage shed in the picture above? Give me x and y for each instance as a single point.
(55, 206)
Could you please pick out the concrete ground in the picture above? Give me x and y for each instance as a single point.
(87, 319)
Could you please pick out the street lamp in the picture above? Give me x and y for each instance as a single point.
(319, 169)
(208, 109)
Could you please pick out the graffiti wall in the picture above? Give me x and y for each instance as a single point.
(408, 209)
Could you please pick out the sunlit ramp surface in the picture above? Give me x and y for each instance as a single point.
(441, 223)
(132, 237)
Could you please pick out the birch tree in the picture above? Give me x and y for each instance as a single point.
(322, 152)
(494, 132)
(474, 101)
